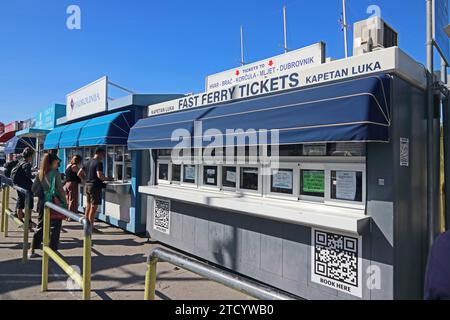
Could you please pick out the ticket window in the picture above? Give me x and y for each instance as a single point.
(312, 182)
(346, 185)
(118, 163)
(329, 174)
(229, 178)
(210, 176)
(70, 153)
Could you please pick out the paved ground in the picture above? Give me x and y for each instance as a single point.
(118, 270)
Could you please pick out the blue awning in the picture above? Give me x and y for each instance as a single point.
(70, 135)
(16, 145)
(52, 139)
(351, 111)
(112, 129)
(32, 132)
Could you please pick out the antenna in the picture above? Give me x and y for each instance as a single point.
(286, 49)
(345, 26)
(242, 46)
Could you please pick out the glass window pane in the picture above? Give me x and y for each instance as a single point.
(312, 183)
(229, 177)
(342, 149)
(110, 162)
(315, 150)
(164, 152)
(210, 175)
(189, 173)
(163, 171)
(119, 172)
(176, 172)
(127, 155)
(249, 178)
(346, 185)
(282, 181)
(128, 172)
(119, 154)
(87, 154)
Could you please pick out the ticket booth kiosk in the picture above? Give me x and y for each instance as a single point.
(93, 120)
(313, 182)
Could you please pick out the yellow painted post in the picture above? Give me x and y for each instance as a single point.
(45, 243)
(5, 216)
(87, 246)
(150, 280)
(2, 219)
(26, 227)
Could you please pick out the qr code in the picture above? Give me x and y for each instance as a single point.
(161, 219)
(336, 257)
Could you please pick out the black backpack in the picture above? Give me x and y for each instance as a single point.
(9, 166)
(18, 174)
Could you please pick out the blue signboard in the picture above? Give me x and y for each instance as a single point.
(46, 120)
(440, 21)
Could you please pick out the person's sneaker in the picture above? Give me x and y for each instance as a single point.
(33, 255)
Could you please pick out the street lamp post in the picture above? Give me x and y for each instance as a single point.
(446, 132)
(430, 127)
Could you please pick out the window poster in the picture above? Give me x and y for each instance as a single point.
(211, 175)
(189, 172)
(346, 185)
(283, 180)
(313, 181)
(231, 176)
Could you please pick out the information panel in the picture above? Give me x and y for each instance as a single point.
(440, 21)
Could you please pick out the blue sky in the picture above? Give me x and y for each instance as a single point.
(156, 46)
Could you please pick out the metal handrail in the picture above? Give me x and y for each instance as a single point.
(6, 185)
(231, 280)
(84, 280)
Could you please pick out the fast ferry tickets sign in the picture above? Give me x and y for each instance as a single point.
(382, 61)
(293, 61)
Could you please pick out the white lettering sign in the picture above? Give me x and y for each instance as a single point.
(293, 61)
(371, 63)
(88, 100)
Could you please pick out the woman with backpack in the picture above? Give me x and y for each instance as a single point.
(48, 188)
(72, 183)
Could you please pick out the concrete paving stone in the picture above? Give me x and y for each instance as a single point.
(118, 270)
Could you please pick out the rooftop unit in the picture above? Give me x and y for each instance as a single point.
(373, 34)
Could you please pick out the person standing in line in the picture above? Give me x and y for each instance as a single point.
(48, 187)
(72, 183)
(92, 173)
(22, 176)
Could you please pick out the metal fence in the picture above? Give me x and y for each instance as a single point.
(84, 280)
(6, 185)
(231, 280)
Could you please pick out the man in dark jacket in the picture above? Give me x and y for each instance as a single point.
(23, 177)
(437, 278)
